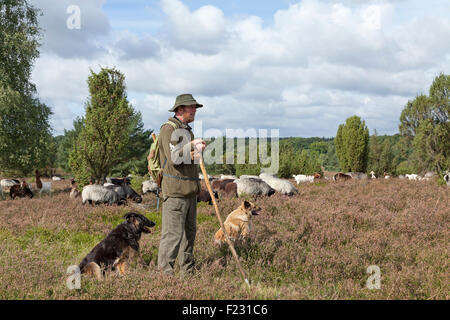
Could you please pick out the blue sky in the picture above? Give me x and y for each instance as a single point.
(302, 67)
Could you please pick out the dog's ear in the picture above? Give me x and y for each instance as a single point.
(130, 216)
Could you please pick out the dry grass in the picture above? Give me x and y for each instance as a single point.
(316, 245)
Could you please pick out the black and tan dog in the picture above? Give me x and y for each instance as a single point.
(120, 245)
(237, 225)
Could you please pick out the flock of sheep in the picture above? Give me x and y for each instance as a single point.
(119, 191)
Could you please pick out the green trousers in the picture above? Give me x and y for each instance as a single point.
(179, 226)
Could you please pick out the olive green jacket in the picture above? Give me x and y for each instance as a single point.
(180, 173)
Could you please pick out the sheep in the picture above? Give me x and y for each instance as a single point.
(413, 176)
(150, 186)
(57, 178)
(230, 190)
(74, 191)
(430, 174)
(299, 178)
(124, 190)
(97, 194)
(357, 175)
(386, 175)
(43, 186)
(253, 187)
(372, 175)
(447, 178)
(281, 185)
(204, 196)
(341, 176)
(217, 185)
(20, 190)
(6, 184)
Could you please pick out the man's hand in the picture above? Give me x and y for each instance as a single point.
(199, 145)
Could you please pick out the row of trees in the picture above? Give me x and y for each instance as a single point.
(424, 143)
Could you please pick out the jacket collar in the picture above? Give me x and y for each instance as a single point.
(180, 124)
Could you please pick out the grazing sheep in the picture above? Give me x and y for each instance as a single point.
(281, 185)
(430, 174)
(97, 194)
(217, 185)
(230, 190)
(357, 175)
(74, 191)
(447, 178)
(20, 190)
(341, 177)
(204, 196)
(413, 176)
(299, 178)
(123, 189)
(372, 175)
(150, 186)
(43, 186)
(6, 184)
(253, 187)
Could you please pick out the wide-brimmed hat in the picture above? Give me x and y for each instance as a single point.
(185, 100)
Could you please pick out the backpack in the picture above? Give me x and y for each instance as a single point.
(154, 160)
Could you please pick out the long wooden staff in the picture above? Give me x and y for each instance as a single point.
(230, 243)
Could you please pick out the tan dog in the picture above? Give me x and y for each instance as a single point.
(237, 225)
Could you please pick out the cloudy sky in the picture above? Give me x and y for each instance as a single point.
(302, 67)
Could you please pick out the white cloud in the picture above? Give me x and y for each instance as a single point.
(318, 63)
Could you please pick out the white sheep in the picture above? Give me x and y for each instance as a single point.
(56, 178)
(372, 175)
(253, 187)
(42, 186)
(97, 194)
(357, 175)
(6, 184)
(447, 178)
(413, 176)
(299, 178)
(149, 186)
(281, 185)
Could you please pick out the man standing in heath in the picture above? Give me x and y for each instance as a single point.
(180, 186)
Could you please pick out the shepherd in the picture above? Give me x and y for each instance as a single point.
(180, 186)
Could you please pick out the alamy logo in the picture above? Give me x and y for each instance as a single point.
(374, 281)
(74, 20)
(74, 279)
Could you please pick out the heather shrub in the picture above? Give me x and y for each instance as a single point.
(314, 245)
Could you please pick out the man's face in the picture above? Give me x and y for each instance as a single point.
(188, 113)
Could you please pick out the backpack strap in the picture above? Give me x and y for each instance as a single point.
(175, 126)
